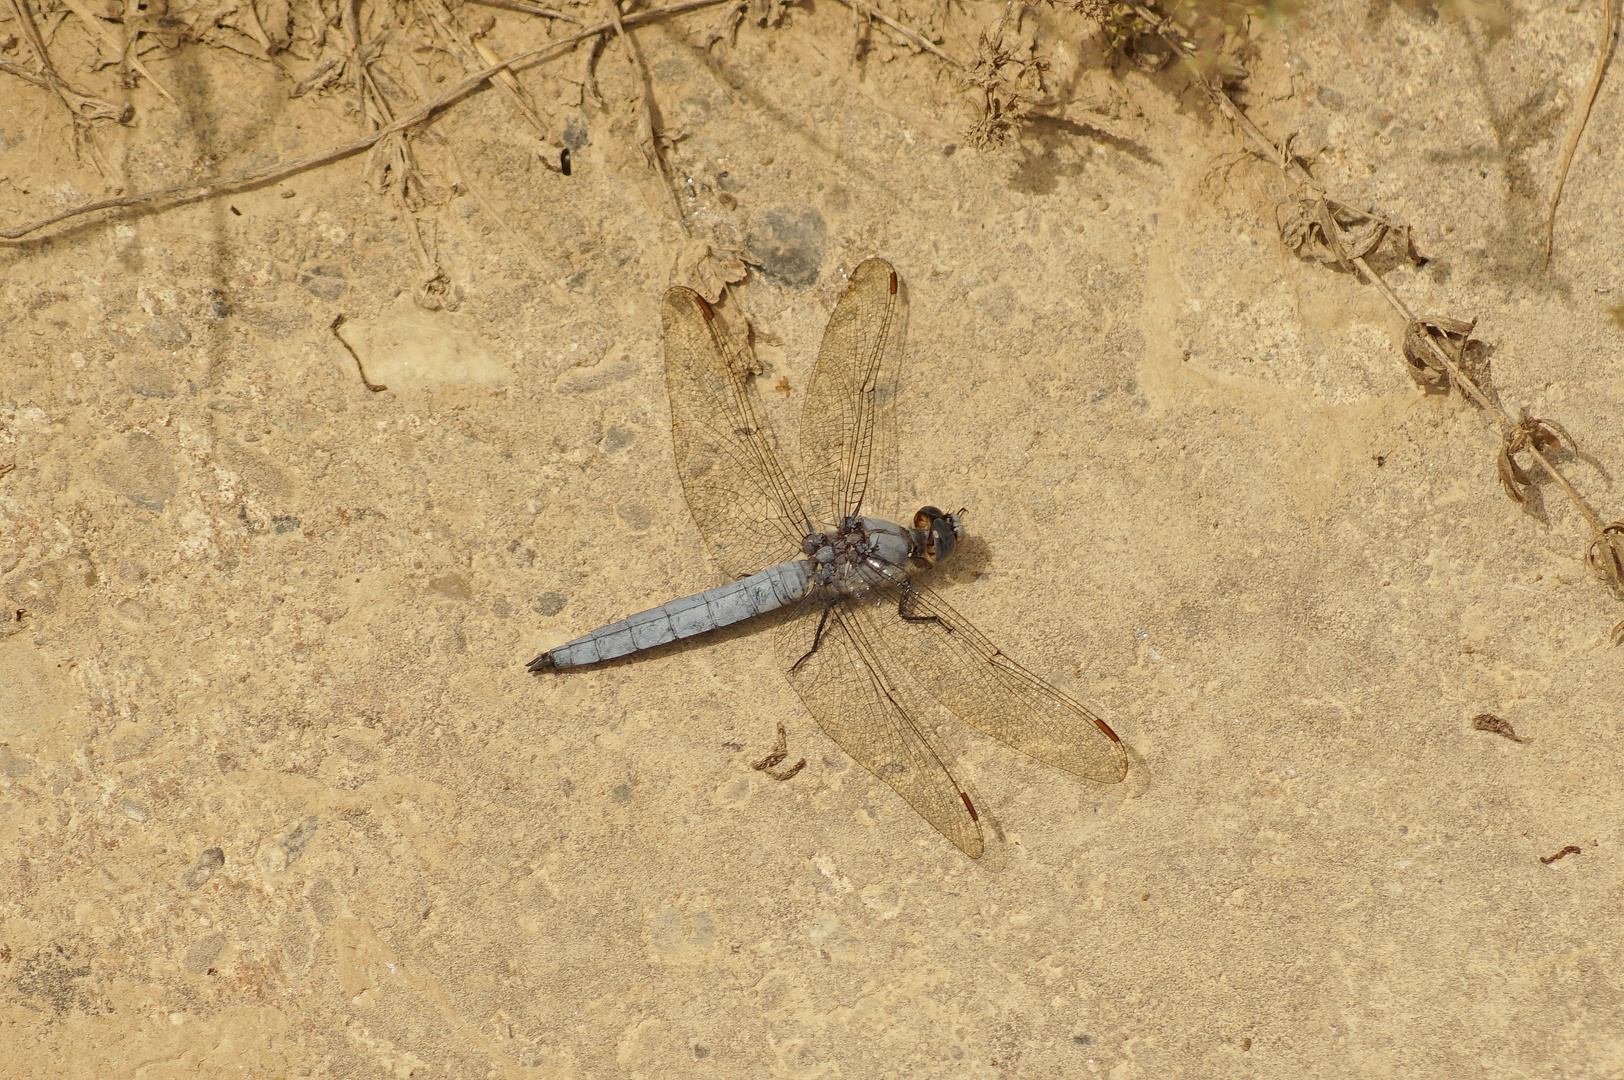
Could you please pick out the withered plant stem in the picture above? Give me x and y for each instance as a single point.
(530, 9)
(281, 170)
(78, 105)
(646, 136)
(8, 68)
(1278, 154)
(1472, 391)
(908, 32)
(1604, 51)
(1180, 42)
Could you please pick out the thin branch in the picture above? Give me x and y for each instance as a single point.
(23, 73)
(908, 32)
(476, 55)
(1604, 50)
(1174, 36)
(306, 84)
(351, 20)
(79, 106)
(271, 173)
(645, 112)
(529, 9)
(338, 320)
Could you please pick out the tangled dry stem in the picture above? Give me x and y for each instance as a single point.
(188, 193)
(1324, 229)
(1008, 84)
(1604, 53)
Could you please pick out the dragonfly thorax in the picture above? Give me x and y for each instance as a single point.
(861, 553)
(864, 552)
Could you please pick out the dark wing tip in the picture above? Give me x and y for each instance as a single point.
(544, 662)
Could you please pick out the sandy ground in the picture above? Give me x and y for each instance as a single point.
(279, 798)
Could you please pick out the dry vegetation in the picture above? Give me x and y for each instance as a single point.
(396, 67)
(382, 680)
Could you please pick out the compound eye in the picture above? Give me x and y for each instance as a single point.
(942, 538)
(925, 515)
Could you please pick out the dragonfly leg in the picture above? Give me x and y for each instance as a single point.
(817, 639)
(906, 603)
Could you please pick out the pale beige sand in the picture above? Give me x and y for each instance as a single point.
(280, 799)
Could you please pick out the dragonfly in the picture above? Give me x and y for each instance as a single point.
(867, 639)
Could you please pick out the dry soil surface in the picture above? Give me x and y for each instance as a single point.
(280, 799)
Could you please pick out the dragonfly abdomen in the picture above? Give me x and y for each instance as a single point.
(773, 588)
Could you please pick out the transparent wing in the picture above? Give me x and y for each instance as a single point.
(844, 685)
(991, 692)
(848, 424)
(738, 491)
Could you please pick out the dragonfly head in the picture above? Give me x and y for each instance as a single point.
(935, 534)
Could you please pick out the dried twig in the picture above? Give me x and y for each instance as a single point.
(338, 320)
(529, 9)
(1605, 552)
(117, 44)
(186, 193)
(408, 181)
(355, 64)
(8, 68)
(1604, 50)
(321, 75)
(80, 106)
(645, 113)
(476, 55)
(906, 31)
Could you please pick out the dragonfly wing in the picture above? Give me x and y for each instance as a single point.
(829, 655)
(848, 423)
(738, 491)
(991, 692)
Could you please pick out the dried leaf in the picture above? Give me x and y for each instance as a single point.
(1531, 432)
(1452, 335)
(708, 270)
(1513, 478)
(1453, 327)
(1554, 436)
(1491, 722)
(1408, 251)
(1606, 558)
(1335, 233)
